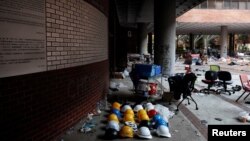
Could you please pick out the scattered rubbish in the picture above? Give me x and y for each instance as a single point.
(247, 102)
(70, 131)
(87, 127)
(176, 131)
(219, 119)
(164, 111)
(232, 63)
(197, 133)
(244, 116)
(204, 122)
(236, 88)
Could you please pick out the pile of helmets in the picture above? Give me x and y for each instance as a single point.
(140, 120)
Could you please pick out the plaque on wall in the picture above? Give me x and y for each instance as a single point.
(22, 37)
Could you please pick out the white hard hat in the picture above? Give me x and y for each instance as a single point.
(126, 107)
(149, 107)
(137, 108)
(144, 132)
(113, 125)
(163, 131)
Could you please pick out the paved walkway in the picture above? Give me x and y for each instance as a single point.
(188, 124)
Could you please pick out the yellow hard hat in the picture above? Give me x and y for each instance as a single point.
(113, 117)
(143, 117)
(140, 112)
(116, 105)
(128, 117)
(126, 132)
(129, 111)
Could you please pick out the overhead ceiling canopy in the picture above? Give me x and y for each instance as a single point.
(131, 12)
(208, 21)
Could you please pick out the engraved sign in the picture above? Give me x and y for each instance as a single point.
(22, 37)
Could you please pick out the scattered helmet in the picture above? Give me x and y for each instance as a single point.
(160, 122)
(125, 107)
(156, 118)
(116, 112)
(147, 104)
(163, 131)
(138, 107)
(144, 132)
(128, 117)
(129, 111)
(114, 125)
(113, 117)
(151, 113)
(150, 107)
(132, 125)
(145, 123)
(140, 112)
(111, 133)
(116, 105)
(143, 117)
(126, 132)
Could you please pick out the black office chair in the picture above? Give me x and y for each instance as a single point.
(210, 80)
(187, 86)
(225, 78)
(175, 86)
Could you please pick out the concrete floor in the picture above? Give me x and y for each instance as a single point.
(186, 125)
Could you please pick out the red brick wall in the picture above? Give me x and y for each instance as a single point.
(41, 106)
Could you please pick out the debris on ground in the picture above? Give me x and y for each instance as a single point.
(219, 119)
(197, 133)
(204, 122)
(244, 116)
(247, 102)
(70, 131)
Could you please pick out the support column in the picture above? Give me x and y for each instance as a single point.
(224, 44)
(150, 43)
(231, 45)
(142, 38)
(191, 41)
(165, 32)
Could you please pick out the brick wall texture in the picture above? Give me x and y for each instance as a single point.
(76, 34)
(42, 106)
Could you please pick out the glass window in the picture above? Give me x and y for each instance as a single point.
(219, 4)
(227, 4)
(211, 4)
(243, 4)
(204, 5)
(235, 4)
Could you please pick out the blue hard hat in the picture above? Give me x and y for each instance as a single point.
(116, 112)
(160, 122)
(156, 118)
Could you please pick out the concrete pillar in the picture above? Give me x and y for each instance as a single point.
(231, 45)
(165, 32)
(191, 41)
(142, 38)
(150, 43)
(224, 44)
